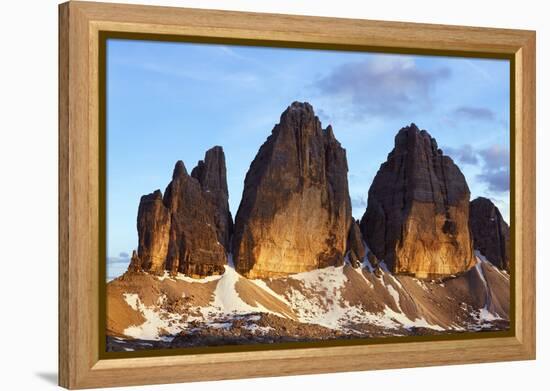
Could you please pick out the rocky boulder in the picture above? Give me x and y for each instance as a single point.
(187, 230)
(490, 232)
(418, 208)
(295, 211)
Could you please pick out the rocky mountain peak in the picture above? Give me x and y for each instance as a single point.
(187, 230)
(211, 172)
(179, 170)
(212, 176)
(418, 209)
(295, 211)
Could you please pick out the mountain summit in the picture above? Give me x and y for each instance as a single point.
(418, 209)
(303, 269)
(295, 211)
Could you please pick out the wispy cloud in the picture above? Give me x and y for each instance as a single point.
(254, 62)
(383, 85)
(464, 154)
(122, 258)
(496, 180)
(496, 156)
(479, 69)
(359, 202)
(496, 170)
(203, 75)
(232, 53)
(323, 115)
(474, 113)
(494, 163)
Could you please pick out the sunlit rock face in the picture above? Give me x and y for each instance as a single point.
(295, 210)
(490, 232)
(153, 225)
(188, 229)
(418, 210)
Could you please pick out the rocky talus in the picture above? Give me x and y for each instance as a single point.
(295, 211)
(418, 209)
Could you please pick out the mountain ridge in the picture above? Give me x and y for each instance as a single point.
(296, 266)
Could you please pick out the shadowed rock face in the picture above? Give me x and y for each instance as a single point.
(188, 229)
(356, 247)
(295, 210)
(490, 232)
(418, 207)
(211, 174)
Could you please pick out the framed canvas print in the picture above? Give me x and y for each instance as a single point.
(247, 195)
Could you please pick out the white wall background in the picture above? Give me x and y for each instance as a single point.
(28, 195)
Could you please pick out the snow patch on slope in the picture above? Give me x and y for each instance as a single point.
(318, 299)
(183, 277)
(226, 298)
(395, 295)
(227, 301)
(324, 305)
(262, 285)
(484, 315)
(156, 322)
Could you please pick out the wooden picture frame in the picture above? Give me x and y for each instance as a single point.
(81, 163)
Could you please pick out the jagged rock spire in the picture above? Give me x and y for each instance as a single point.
(295, 210)
(188, 229)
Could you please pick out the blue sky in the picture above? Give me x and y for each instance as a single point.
(173, 101)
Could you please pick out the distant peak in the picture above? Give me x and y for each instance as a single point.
(300, 105)
(213, 154)
(299, 109)
(482, 200)
(215, 149)
(412, 128)
(407, 133)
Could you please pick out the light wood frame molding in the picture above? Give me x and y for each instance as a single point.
(80, 364)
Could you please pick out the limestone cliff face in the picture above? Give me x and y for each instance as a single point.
(418, 209)
(295, 211)
(153, 225)
(490, 232)
(188, 229)
(193, 247)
